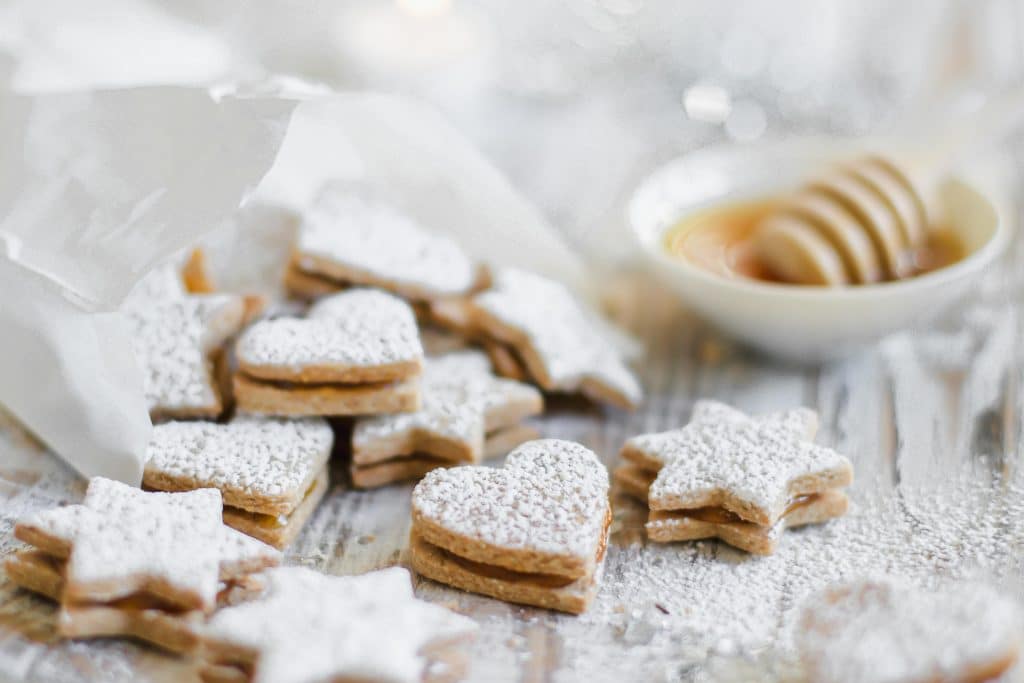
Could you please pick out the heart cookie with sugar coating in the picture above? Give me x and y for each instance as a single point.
(533, 532)
(355, 353)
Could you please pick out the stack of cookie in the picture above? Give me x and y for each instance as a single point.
(740, 479)
(468, 414)
(130, 563)
(533, 532)
(532, 328)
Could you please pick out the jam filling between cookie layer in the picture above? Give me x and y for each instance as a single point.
(272, 521)
(719, 515)
(501, 573)
(285, 385)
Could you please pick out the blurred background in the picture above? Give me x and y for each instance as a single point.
(574, 99)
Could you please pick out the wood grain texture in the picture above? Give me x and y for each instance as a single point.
(936, 412)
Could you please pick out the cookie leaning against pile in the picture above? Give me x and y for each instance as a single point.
(729, 476)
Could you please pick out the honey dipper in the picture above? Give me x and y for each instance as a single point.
(860, 223)
(867, 220)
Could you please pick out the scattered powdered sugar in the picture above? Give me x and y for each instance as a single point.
(458, 391)
(358, 327)
(668, 612)
(120, 532)
(753, 460)
(377, 244)
(884, 631)
(172, 336)
(570, 346)
(309, 626)
(250, 455)
(551, 496)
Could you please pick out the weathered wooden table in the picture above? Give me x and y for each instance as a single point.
(932, 420)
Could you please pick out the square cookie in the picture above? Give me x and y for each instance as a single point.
(271, 472)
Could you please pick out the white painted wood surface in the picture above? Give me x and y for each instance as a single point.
(932, 420)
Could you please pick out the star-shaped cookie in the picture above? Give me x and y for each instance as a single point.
(268, 470)
(752, 468)
(884, 630)
(122, 541)
(175, 336)
(463, 403)
(557, 341)
(309, 627)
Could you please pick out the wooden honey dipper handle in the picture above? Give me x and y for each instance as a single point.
(868, 220)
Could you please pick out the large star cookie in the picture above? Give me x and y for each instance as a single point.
(532, 532)
(177, 338)
(355, 353)
(882, 631)
(558, 343)
(310, 627)
(127, 562)
(346, 239)
(743, 480)
(271, 472)
(466, 412)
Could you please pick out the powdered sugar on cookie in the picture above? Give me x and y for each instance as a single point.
(359, 327)
(753, 467)
(551, 497)
(562, 348)
(253, 456)
(662, 447)
(358, 240)
(459, 392)
(173, 334)
(123, 539)
(881, 631)
(311, 627)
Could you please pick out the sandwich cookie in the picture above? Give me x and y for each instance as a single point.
(131, 563)
(532, 532)
(467, 414)
(355, 353)
(272, 473)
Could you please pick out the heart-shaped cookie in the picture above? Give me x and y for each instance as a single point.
(355, 353)
(533, 531)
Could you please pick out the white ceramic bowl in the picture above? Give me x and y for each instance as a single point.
(805, 324)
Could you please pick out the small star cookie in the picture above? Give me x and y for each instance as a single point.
(742, 480)
(309, 627)
(884, 631)
(554, 338)
(271, 472)
(345, 239)
(177, 339)
(533, 532)
(355, 353)
(127, 562)
(465, 408)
